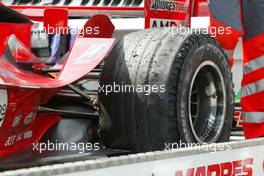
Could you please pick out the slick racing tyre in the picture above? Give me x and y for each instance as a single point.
(189, 94)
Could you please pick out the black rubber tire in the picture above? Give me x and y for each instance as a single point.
(139, 122)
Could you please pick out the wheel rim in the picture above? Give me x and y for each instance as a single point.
(207, 103)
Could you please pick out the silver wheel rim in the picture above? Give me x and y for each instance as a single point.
(207, 103)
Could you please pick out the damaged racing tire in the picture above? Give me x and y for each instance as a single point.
(157, 89)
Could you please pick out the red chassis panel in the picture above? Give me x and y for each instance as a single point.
(21, 125)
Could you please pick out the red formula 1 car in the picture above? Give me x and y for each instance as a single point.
(23, 91)
(157, 86)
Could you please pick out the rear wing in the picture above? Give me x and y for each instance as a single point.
(80, 8)
(157, 13)
(76, 3)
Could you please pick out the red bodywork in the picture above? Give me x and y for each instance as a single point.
(22, 92)
(20, 122)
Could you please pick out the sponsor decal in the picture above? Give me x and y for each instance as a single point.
(3, 104)
(29, 118)
(157, 23)
(232, 168)
(92, 53)
(11, 140)
(16, 120)
(169, 5)
(28, 134)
